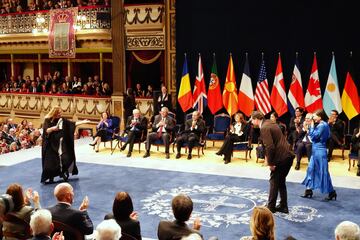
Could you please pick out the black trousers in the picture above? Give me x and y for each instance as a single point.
(278, 184)
(227, 147)
(301, 148)
(191, 140)
(333, 142)
(132, 136)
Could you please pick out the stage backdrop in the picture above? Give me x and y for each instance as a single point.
(62, 33)
(237, 27)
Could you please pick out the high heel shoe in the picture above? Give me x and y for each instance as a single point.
(308, 193)
(331, 196)
(92, 144)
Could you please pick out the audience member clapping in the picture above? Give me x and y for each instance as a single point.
(42, 226)
(123, 213)
(108, 230)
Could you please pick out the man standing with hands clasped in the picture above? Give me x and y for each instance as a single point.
(278, 157)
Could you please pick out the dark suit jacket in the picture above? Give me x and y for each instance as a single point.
(355, 141)
(338, 129)
(277, 149)
(140, 126)
(77, 219)
(129, 226)
(41, 237)
(174, 230)
(169, 122)
(197, 130)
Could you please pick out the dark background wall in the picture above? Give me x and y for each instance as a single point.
(237, 27)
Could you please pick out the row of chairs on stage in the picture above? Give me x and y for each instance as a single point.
(215, 133)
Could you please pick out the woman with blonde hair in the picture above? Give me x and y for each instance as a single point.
(262, 225)
(58, 154)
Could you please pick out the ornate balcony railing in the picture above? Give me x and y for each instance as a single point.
(91, 17)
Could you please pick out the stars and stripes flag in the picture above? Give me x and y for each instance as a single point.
(313, 100)
(199, 95)
(278, 92)
(262, 96)
(295, 94)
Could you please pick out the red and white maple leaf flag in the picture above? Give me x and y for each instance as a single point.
(278, 93)
(313, 99)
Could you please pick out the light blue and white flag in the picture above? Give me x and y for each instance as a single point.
(331, 99)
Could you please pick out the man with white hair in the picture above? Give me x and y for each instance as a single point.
(64, 213)
(347, 230)
(42, 226)
(193, 236)
(135, 126)
(108, 230)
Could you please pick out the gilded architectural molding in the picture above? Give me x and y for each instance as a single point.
(145, 42)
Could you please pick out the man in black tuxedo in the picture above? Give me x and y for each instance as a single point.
(64, 213)
(163, 126)
(135, 126)
(279, 158)
(303, 143)
(182, 207)
(191, 135)
(355, 148)
(337, 130)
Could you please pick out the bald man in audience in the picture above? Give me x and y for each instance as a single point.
(64, 213)
(347, 230)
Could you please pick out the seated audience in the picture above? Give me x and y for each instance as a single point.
(16, 223)
(138, 91)
(65, 213)
(149, 92)
(303, 143)
(347, 230)
(135, 126)
(337, 130)
(162, 128)
(124, 215)
(42, 226)
(239, 132)
(262, 225)
(194, 128)
(275, 118)
(108, 230)
(182, 207)
(295, 123)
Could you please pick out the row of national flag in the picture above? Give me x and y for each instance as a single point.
(245, 101)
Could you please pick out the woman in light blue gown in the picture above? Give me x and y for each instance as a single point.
(317, 176)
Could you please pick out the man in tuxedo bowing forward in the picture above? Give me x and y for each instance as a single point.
(193, 129)
(278, 157)
(135, 125)
(162, 127)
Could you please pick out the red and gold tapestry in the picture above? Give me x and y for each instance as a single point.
(62, 33)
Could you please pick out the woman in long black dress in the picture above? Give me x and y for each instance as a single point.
(58, 154)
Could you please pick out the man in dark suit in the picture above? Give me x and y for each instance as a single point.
(355, 146)
(64, 213)
(303, 143)
(193, 129)
(337, 130)
(182, 207)
(163, 126)
(135, 126)
(278, 157)
(295, 124)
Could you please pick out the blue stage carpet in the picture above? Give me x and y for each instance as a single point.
(223, 203)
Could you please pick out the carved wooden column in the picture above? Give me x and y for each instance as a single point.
(118, 56)
(171, 49)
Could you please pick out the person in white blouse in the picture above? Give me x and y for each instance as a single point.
(238, 133)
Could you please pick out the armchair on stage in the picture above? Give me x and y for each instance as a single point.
(115, 128)
(218, 132)
(245, 146)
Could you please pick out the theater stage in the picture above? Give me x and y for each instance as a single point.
(223, 195)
